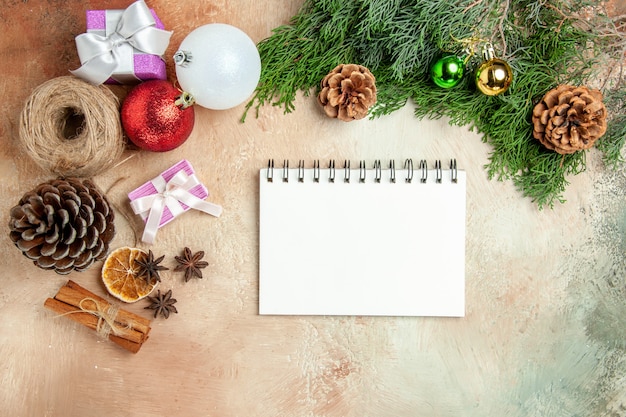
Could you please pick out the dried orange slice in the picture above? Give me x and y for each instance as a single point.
(120, 275)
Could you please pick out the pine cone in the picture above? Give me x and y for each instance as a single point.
(569, 119)
(348, 92)
(63, 224)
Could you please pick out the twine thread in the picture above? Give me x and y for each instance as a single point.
(106, 318)
(72, 128)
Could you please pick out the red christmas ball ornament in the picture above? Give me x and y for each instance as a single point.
(157, 117)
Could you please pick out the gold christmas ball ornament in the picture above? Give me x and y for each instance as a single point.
(494, 76)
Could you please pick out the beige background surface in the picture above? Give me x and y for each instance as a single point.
(544, 331)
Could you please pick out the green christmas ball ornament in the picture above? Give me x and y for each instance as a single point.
(447, 71)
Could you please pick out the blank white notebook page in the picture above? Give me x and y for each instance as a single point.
(361, 248)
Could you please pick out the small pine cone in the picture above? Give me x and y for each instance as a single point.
(63, 225)
(569, 119)
(348, 92)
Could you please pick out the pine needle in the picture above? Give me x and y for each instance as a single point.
(547, 43)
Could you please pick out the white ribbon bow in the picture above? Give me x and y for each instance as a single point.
(170, 194)
(100, 56)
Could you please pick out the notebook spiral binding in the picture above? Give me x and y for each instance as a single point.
(408, 166)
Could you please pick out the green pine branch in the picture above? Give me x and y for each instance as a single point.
(545, 43)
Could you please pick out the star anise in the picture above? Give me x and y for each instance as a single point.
(149, 267)
(162, 304)
(191, 263)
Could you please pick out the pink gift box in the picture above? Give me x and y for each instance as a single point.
(145, 66)
(148, 188)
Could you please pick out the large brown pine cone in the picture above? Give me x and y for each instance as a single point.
(63, 225)
(348, 92)
(569, 119)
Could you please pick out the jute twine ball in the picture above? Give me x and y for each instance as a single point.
(72, 128)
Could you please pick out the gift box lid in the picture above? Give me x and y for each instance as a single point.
(97, 20)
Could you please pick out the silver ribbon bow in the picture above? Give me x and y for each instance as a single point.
(101, 56)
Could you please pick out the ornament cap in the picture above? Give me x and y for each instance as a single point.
(488, 52)
(182, 58)
(185, 100)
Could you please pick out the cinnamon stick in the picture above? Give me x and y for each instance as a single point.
(73, 294)
(134, 329)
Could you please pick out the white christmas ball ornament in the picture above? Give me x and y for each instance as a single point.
(219, 65)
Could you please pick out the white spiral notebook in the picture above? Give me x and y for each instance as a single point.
(367, 241)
